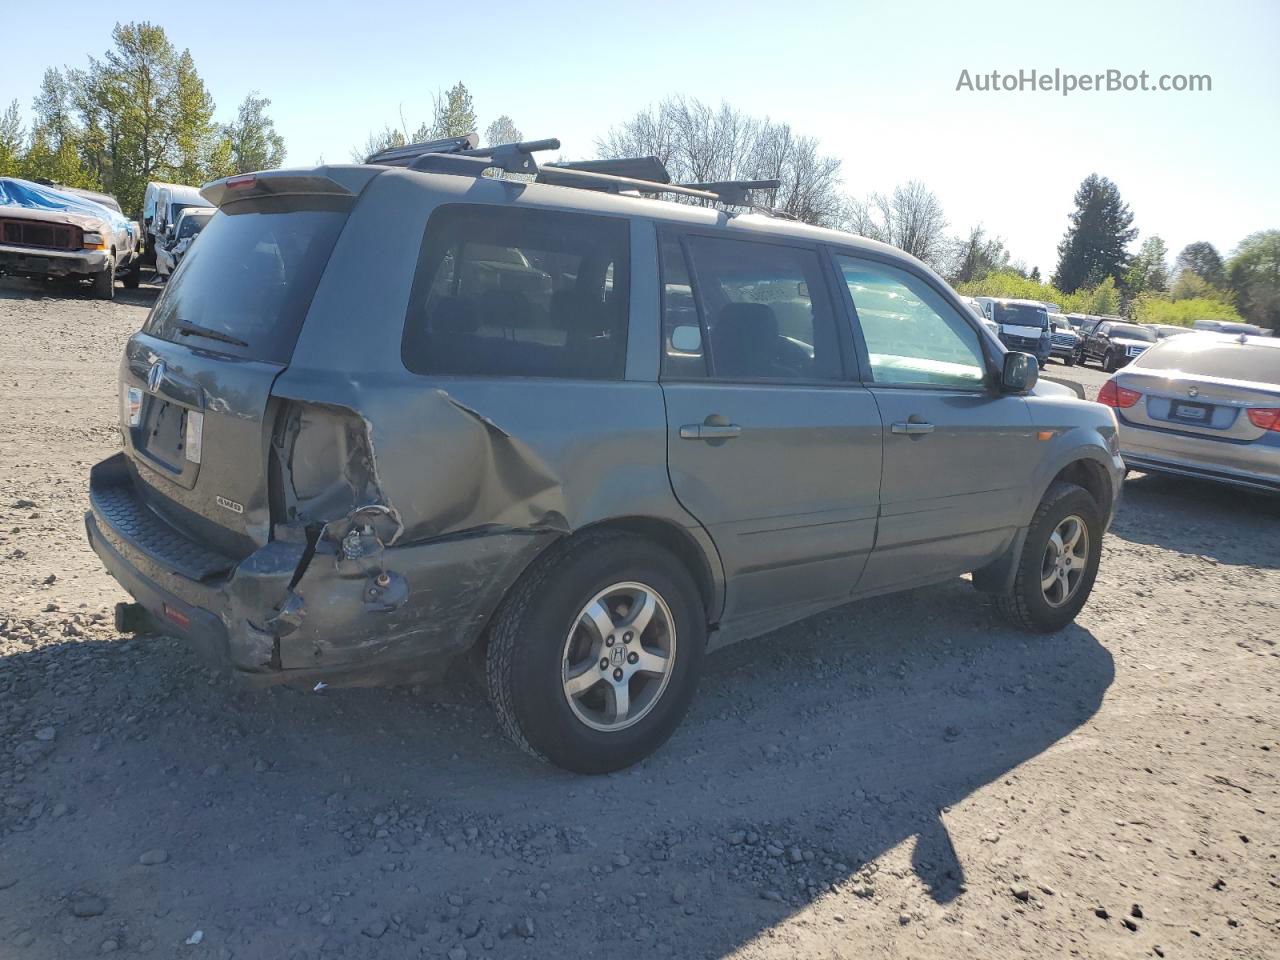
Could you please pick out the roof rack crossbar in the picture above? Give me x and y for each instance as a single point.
(637, 168)
(735, 192)
(404, 155)
(571, 177)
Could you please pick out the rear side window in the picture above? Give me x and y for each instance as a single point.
(763, 311)
(245, 288)
(518, 292)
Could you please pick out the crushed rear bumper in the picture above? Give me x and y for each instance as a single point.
(299, 610)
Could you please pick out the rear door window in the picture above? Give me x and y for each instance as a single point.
(519, 292)
(762, 309)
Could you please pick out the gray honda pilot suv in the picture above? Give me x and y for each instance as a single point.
(456, 405)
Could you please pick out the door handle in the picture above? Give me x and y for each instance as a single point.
(912, 428)
(709, 431)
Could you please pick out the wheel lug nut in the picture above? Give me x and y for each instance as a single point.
(617, 674)
(627, 637)
(608, 641)
(633, 657)
(604, 664)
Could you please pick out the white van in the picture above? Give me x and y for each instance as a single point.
(161, 205)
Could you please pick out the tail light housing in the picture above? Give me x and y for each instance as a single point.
(1114, 395)
(1265, 418)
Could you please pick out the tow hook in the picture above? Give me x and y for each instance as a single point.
(132, 618)
(385, 592)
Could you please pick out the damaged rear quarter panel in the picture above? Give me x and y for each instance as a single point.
(445, 488)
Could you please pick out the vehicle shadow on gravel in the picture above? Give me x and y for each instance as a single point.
(290, 820)
(1230, 525)
(17, 288)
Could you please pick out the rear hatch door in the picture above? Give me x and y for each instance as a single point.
(196, 380)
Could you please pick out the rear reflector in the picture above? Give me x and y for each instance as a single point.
(1114, 395)
(177, 616)
(1265, 418)
(242, 182)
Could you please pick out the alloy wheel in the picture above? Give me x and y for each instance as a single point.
(618, 656)
(1066, 556)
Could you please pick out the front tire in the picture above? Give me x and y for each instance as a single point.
(1059, 561)
(594, 655)
(1109, 363)
(1069, 360)
(104, 281)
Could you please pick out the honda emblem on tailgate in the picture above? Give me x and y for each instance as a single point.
(155, 376)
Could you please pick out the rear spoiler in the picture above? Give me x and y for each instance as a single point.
(336, 181)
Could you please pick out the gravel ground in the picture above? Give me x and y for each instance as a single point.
(904, 777)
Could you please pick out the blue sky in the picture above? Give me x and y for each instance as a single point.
(876, 82)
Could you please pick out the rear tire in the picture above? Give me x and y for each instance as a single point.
(133, 276)
(542, 640)
(1033, 606)
(104, 281)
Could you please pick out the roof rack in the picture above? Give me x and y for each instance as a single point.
(632, 176)
(635, 168)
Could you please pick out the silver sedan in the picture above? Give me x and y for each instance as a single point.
(1202, 406)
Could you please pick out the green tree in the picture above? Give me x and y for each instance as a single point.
(1149, 271)
(55, 150)
(13, 137)
(1093, 247)
(1254, 275)
(194, 129)
(377, 141)
(454, 114)
(1203, 259)
(251, 141)
(502, 130)
(978, 255)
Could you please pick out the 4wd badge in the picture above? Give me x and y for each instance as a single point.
(230, 504)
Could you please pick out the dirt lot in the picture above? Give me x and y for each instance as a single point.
(901, 778)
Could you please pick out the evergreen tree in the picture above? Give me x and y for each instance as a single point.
(1202, 259)
(194, 130)
(502, 130)
(1094, 245)
(1254, 275)
(455, 114)
(251, 141)
(1149, 271)
(12, 139)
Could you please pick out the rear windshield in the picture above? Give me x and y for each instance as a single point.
(1203, 356)
(192, 224)
(1022, 315)
(250, 278)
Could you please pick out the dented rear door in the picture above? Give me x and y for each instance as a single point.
(196, 381)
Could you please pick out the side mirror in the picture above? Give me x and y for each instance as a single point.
(1021, 371)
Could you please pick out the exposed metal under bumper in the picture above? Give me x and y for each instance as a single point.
(287, 613)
